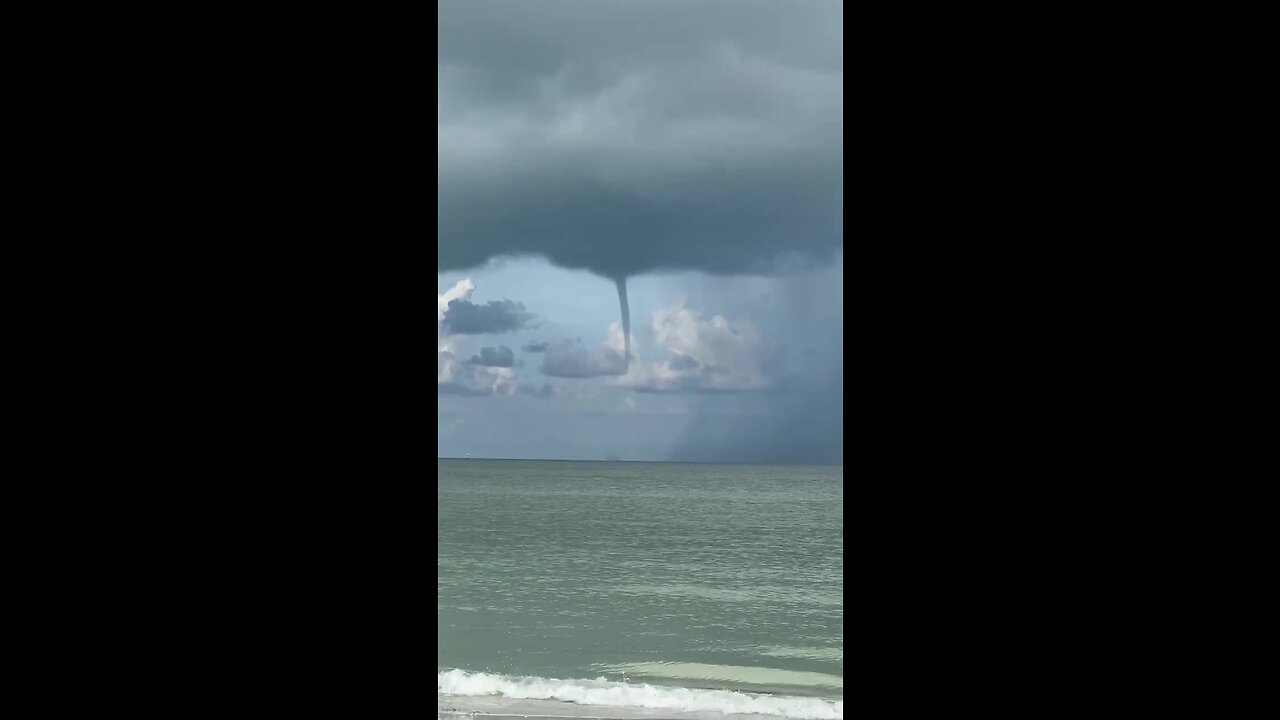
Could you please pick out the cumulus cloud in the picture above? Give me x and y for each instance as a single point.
(536, 347)
(461, 290)
(623, 138)
(573, 359)
(704, 355)
(501, 356)
(464, 317)
(483, 374)
(454, 377)
(680, 361)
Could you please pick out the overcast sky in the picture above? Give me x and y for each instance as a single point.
(685, 158)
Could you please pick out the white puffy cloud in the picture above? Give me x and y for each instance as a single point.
(461, 290)
(702, 355)
(457, 377)
(454, 375)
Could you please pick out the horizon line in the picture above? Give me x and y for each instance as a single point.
(664, 462)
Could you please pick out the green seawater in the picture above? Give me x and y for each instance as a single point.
(689, 575)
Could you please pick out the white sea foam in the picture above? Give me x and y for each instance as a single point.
(606, 693)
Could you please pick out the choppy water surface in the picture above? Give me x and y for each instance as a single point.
(642, 586)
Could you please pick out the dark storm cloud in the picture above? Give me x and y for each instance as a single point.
(535, 347)
(464, 317)
(624, 137)
(574, 360)
(501, 356)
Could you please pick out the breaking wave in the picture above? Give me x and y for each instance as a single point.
(607, 693)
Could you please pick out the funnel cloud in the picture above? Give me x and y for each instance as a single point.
(626, 320)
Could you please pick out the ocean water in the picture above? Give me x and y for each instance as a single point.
(640, 589)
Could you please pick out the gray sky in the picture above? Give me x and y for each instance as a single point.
(693, 150)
